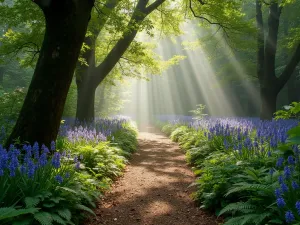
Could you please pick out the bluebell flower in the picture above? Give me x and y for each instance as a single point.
(297, 205)
(43, 159)
(59, 179)
(295, 185)
(289, 217)
(279, 162)
(269, 153)
(23, 169)
(278, 193)
(56, 160)
(280, 202)
(291, 160)
(30, 168)
(271, 171)
(52, 146)
(284, 187)
(280, 179)
(36, 150)
(76, 159)
(77, 166)
(287, 172)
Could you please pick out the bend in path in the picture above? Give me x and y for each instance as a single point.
(154, 189)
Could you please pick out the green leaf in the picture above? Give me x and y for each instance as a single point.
(83, 207)
(10, 212)
(65, 213)
(43, 218)
(31, 201)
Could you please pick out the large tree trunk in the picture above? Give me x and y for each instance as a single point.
(268, 103)
(66, 25)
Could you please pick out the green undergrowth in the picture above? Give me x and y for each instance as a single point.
(241, 186)
(61, 185)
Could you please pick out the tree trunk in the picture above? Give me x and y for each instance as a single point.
(1, 75)
(268, 103)
(66, 25)
(293, 90)
(85, 104)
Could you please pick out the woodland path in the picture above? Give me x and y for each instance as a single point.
(154, 189)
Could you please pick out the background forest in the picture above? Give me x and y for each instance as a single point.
(69, 67)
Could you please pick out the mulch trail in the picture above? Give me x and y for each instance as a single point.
(154, 189)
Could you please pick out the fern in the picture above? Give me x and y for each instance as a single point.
(56, 218)
(248, 187)
(43, 218)
(65, 213)
(10, 212)
(87, 209)
(238, 207)
(256, 219)
(31, 201)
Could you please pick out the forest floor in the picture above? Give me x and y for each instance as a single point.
(154, 189)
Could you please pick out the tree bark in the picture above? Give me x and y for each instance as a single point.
(66, 25)
(2, 70)
(293, 90)
(268, 103)
(85, 104)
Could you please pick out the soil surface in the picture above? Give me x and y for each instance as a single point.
(154, 189)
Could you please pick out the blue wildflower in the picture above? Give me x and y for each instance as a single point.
(289, 217)
(31, 168)
(295, 185)
(36, 150)
(280, 179)
(291, 160)
(284, 187)
(56, 160)
(277, 193)
(77, 166)
(280, 202)
(52, 146)
(297, 205)
(279, 162)
(59, 179)
(287, 172)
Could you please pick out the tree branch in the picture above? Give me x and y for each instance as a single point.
(153, 6)
(206, 19)
(289, 69)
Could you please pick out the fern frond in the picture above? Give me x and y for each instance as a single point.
(238, 207)
(65, 213)
(31, 201)
(43, 218)
(56, 218)
(248, 187)
(83, 207)
(10, 212)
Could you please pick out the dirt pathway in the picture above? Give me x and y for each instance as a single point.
(154, 189)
